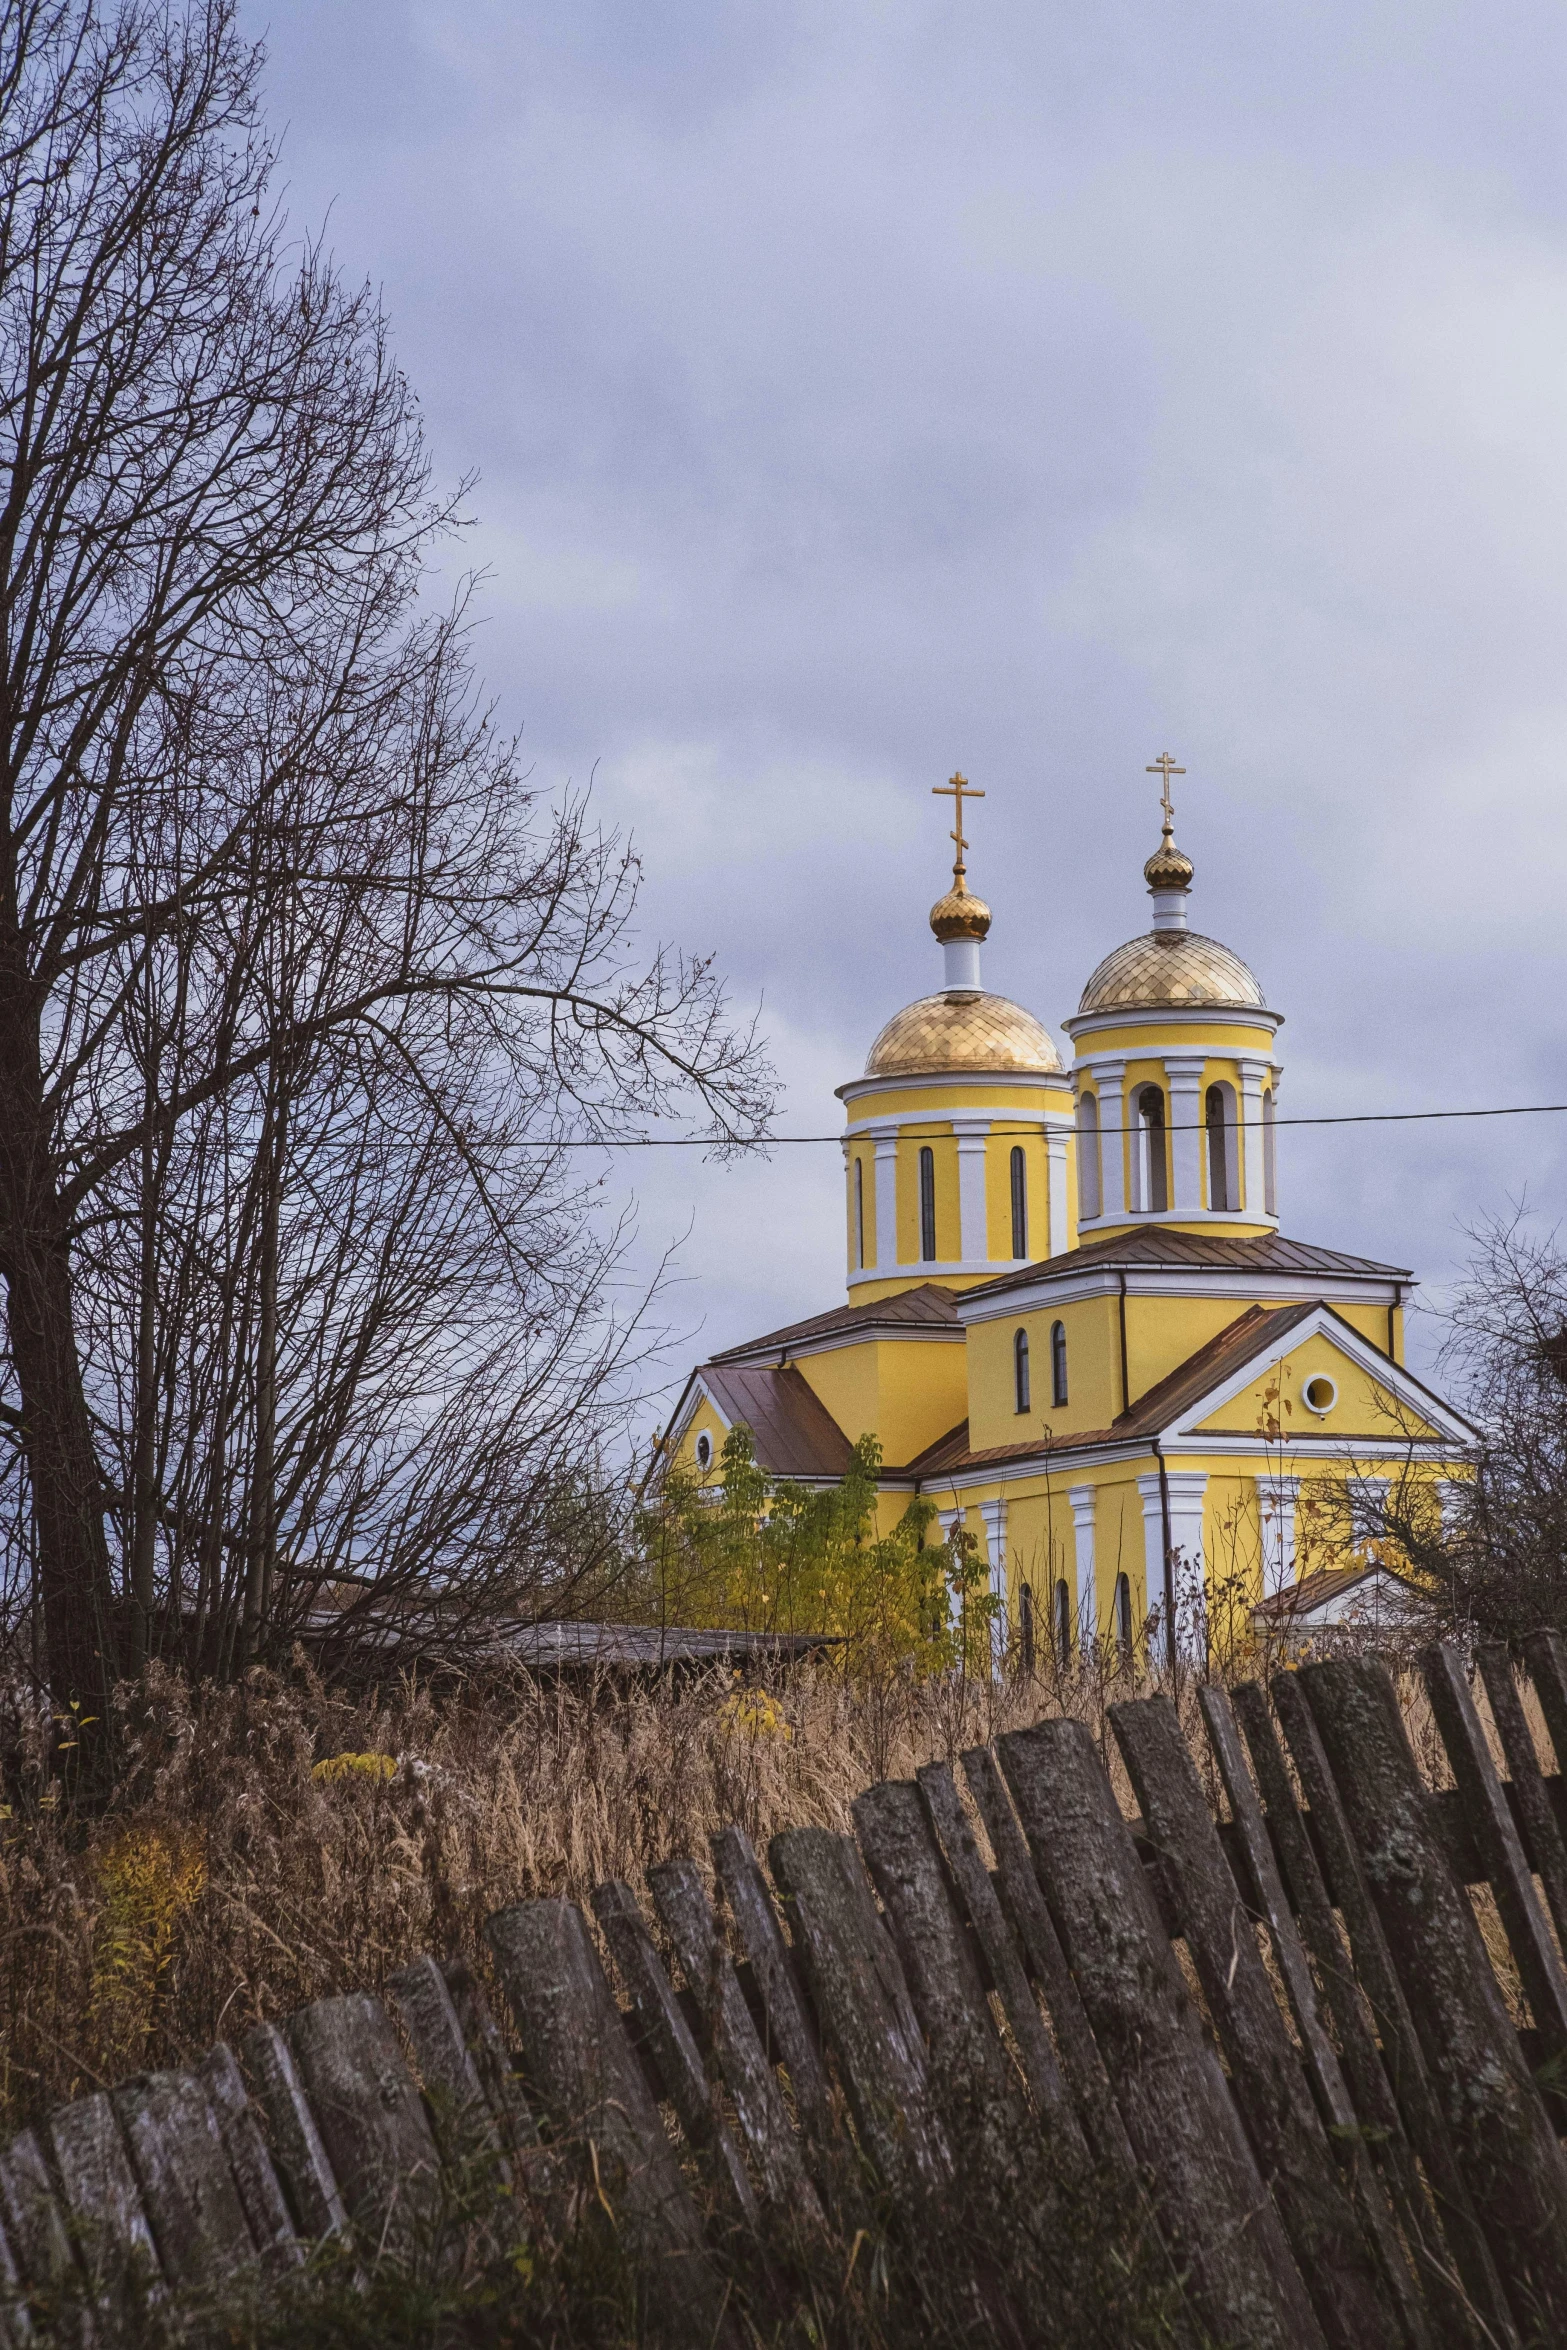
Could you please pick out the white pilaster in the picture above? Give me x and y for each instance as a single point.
(886, 1198)
(1252, 1074)
(1183, 1075)
(1368, 1499)
(1081, 1498)
(947, 1520)
(1055, 1178)
(973, 1217)
(994, 1514)
(1276, 1499)
(1186, 1489)
(960, 961)
(1111, 1079)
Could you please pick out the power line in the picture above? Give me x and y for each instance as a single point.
(707, 1142)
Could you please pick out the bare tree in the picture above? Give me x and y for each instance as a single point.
(295, 975)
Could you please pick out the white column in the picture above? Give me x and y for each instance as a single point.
(1276, 1499)
(1451, 1493)
(1252, 1074)
(994, 1514)
(973, 1227)
(1368, 1498)
(1111, 1076)
(947, 1520)
(1081, 1498)
(1186, 1489)
(1153, 1552)
(886, 1198)
(1055, 1178)
(1183, 1074)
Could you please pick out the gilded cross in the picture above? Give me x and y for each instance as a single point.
(959, 789)
(1164, 765)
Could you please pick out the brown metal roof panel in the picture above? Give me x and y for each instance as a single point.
(927, 1306)
(794, 1433)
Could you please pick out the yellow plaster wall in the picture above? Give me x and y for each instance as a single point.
(904, 1392)
(1093, 1374)
(704, 1417)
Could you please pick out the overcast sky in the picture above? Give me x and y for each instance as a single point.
(862, 390)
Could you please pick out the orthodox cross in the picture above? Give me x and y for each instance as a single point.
(1164, 765)
(960, 789)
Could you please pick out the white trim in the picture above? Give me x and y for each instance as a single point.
(1037, 1120)
(886, 1190)
(1319, 1379)
(1132, 1220)
(1063, 1461)
(1183, 1077)
(1366, 1357)
(973, 1140)
(1021, 1080)
(775, 1354)
(1172, 1016)
(1084, 1500)
(918, 1269)
(1236, 1288)
(1254, 1190)
(994, 1517)
(1055, 1191)
(1276, 1500)
(1111, 1086)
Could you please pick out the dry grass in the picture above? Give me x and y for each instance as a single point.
(233, 1877)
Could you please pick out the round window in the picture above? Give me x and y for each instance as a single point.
(704, 1451)
(1319, 1394)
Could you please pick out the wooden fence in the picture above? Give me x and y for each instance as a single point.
(1290, 2042)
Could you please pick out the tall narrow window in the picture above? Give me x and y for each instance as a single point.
(1218, 1170)
(1123, 1618)
(1026, 1628)
(928, 1205)
(1270, 1161)
(1020, 1369)
(1019, 1202)
(1063, 1625)
(1088, 1186)
(1152, 1186)
(1058, 1362)
(859, 1213)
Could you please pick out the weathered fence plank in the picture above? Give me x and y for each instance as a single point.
(465, 2126)
(1496, 1838)
(1025, 1905)
(975, 2084)
(1336, 2264)
(1215, 2212)
(16, 2325)
(791, 2026)
(266, 2209)
(1541, 1825)
(103, 2203)
(676, 2057)
(998, 1940)
(1416, 2114)
(582, 2065)
(187, 2189)
(1265, 1890)
(498, 2075)
(36, 2225)
(1502, 2136)
(862, 2000)
(370, 2116)
(682, 1905)
(297, 2149)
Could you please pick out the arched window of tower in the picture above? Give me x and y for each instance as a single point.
(859, 1213)
(1224, 1187)
(927, 1204)
(1019, 1202)
(1088, 1189)
(1150, 1181)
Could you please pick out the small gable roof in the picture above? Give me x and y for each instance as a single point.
(794, 1433)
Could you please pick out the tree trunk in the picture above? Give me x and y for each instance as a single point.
(68, 1498)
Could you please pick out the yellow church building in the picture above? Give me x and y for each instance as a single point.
(1074, 1323)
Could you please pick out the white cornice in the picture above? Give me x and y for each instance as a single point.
(1173, 1016)
(980, 1268)
(1026, 1080)
(774, 1355)
(1183, 1281)
(1098, 1226)
(996, 1113)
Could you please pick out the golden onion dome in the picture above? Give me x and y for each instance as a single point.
(1169, 867)
(963, 1029)
(959, 914)
(1166, 969)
